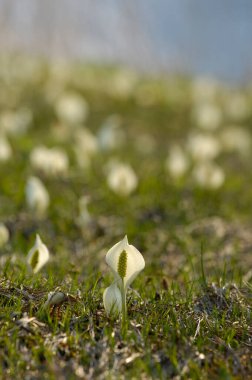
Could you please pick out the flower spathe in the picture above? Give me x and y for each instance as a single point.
(38, 255)
(125, 261)
(112, 299)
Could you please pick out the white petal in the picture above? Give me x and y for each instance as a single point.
(112, 299)
(134, 261)
(55, 298)
(41, 251)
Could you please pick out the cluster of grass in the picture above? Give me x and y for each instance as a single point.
(190, 309)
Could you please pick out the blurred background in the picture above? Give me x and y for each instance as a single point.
(187, 36)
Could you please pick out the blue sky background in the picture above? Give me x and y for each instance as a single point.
(211, 37)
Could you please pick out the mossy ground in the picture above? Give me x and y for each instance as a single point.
(189, 311)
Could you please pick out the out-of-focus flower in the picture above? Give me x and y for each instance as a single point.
(111, 135)
(4, 235)
(55, 298)
(52, 162)
(126, 262)
(237, 139)
(207, 116)
(208, 175)
(16, 122)
(86, 146)
(177, 162)
(203, 146)
(5, 149)
(112, 300)
(71, 108)
(37, 197)
(123, 82)
(84, 217)
(237, 106)
(122, 179)
(38, 255)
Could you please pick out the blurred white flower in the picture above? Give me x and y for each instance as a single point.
(84, 217)
(203, 146)
(37, 196)
(237, 106)
(112, 300)
(16, 122)
(86, 146)
(71, 108)
(55, 298)
(177, 162)
(207, 116)
(208, 175)
(5, 149)
(126, 262)
(237, 139)
(4, 235)
(122, 179)
(38, 255)
(52, 162)
(111, 134)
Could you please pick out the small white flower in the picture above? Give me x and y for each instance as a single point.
(55, 298)
(86, 146)
(52, 162)
(207, 116)
(38, 255)
(203, 147)
(112, 300)
(177, 162)
(16, 122)
(71, 108)
(111, 135)
(237, 139)
(37, 196)
(237, 106)
(208, 175)
(5, 149)
(126, 262)
(122, 179)
(84, 217)
(4, 235)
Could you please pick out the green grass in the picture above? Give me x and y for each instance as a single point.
(189, 311)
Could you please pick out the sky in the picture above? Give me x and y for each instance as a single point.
(210, 37)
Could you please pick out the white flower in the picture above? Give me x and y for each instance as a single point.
(86, 146)
(203, 147)
(38, 255)
(125, 261)
(111, 135)
(122, 179)
(208, 175)
(177, 162)
(84, 217)
(112, 299)
(5, 149)
(55, 298)
(204, 89)
(16, 122)
(4, 235)
(237, 106)
(237, 139)
(52, 162)
(71, 108)
(37, 197)
(207, 116)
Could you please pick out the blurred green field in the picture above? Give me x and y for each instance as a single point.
(184, 201)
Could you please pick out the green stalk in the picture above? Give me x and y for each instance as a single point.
(124, 310)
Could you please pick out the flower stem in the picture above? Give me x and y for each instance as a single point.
(124, 311)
